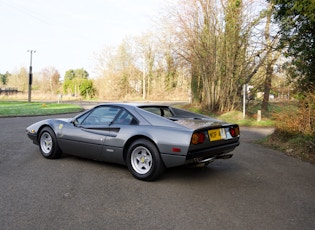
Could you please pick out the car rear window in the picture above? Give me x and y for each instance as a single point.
(161, 111)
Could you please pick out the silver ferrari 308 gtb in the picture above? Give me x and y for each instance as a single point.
(146, 138)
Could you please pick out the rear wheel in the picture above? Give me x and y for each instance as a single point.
(144, 161)
(48, 144)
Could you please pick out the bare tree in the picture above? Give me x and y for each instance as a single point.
(118, 74)
(19, 79)
(49, 80)
(145, 48)
(271, 58)
(210, 40)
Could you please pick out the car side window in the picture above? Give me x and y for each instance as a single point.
(125, 118)
(103, 115)
(81, 118)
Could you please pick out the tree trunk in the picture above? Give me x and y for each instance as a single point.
(267, 87)
(269, 69)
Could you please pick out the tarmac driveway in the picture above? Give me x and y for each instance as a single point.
(258, 188)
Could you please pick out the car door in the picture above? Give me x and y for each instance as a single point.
(120, 130)
(88, 133)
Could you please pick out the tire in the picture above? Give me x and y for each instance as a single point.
(144, 161)
(48, 144)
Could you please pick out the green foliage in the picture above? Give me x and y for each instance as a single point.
(4, 78)
(296, 20)
(86, 88)
(77, 73)
(77, 82)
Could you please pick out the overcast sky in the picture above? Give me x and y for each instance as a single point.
(66, 34)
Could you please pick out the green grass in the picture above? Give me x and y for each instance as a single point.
(237, 117)
(12, 108)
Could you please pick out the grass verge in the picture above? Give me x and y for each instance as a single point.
(298, 145)
(235, 116)
(12, 108)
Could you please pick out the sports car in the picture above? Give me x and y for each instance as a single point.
(146, 138)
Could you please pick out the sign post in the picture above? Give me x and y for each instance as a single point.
(244, 100)
(30, 79)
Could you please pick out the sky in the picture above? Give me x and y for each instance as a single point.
(67, 34)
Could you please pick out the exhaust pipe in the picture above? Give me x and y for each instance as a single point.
(224, 156)
(211, 159)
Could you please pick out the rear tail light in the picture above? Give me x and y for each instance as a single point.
(198, 138)
(234, 131)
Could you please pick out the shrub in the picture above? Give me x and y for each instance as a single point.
(299, 121)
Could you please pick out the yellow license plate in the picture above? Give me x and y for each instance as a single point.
(216, 134)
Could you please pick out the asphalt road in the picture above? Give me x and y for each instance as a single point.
(258, 188)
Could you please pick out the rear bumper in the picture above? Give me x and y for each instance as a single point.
(211, 154)
(200, 156)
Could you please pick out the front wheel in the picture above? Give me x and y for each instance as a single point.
(48, 144)
(144, 161)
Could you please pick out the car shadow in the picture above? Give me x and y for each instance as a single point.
(181, 174)
(212, 171)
